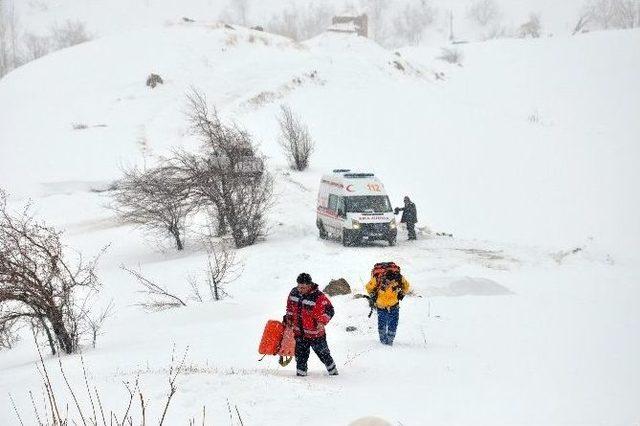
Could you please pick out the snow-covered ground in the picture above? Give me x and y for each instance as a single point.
(525, 153)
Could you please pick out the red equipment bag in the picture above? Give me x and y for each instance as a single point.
(271, 338)
(382, 268)
(288, 344)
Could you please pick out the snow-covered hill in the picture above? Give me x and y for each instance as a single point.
(524, 153)
(531, 141)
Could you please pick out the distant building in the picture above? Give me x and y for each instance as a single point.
(350, 24)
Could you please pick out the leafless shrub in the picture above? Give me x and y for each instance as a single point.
(95, 322)
(222, 269)
(38, 282)
(156, 297)
(484, 12)
(36, 46)
(156, 199)
(451, 55)
(581, 23)
(606, 14)
(227, 176)
(54, 410)
(413, 19)
(497, 31)
(294, 139)
(69, 34)
(302, 24)
(531, 28)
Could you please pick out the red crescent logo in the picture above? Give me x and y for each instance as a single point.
(348, 188)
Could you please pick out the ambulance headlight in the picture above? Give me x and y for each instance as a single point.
(392, 224)
(355, 224)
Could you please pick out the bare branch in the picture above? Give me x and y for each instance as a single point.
(158, 298)
(174, 372)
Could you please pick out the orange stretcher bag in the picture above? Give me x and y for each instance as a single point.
(278, 340)
(271, 338)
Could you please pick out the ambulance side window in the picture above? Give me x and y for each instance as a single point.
(333, 202)
(342, 211)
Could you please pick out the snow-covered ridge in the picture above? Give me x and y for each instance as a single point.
(552, 115)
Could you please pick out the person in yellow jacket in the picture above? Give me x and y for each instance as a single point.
(387, 291)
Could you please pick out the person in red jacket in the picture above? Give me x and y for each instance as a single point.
(308, 312)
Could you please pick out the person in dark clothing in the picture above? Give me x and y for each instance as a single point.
(409, 216)
(308, 312)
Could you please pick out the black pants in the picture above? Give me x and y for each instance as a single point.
(320, 347)
(411, 230)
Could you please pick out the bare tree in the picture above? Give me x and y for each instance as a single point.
(69, 34)
(17, 49)
(36, 46)
(38, 283)
(156, 199)
(227, 174)
(222, 269)
(484, 12)
(241, 10)
(413, 19)
(376, 10)
(294, 139)
(531, 28)
(606, 14)
(9, 32)
(286, 23)
(315, 20)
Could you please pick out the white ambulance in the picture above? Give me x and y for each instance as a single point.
(354, 207)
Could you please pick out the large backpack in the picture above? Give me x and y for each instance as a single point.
(386, 268)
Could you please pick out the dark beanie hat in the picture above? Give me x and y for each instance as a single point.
(304, 278)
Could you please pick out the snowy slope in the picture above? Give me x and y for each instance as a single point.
(482, 167)
(506, 325)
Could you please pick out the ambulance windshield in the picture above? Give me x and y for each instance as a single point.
(368, 203)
